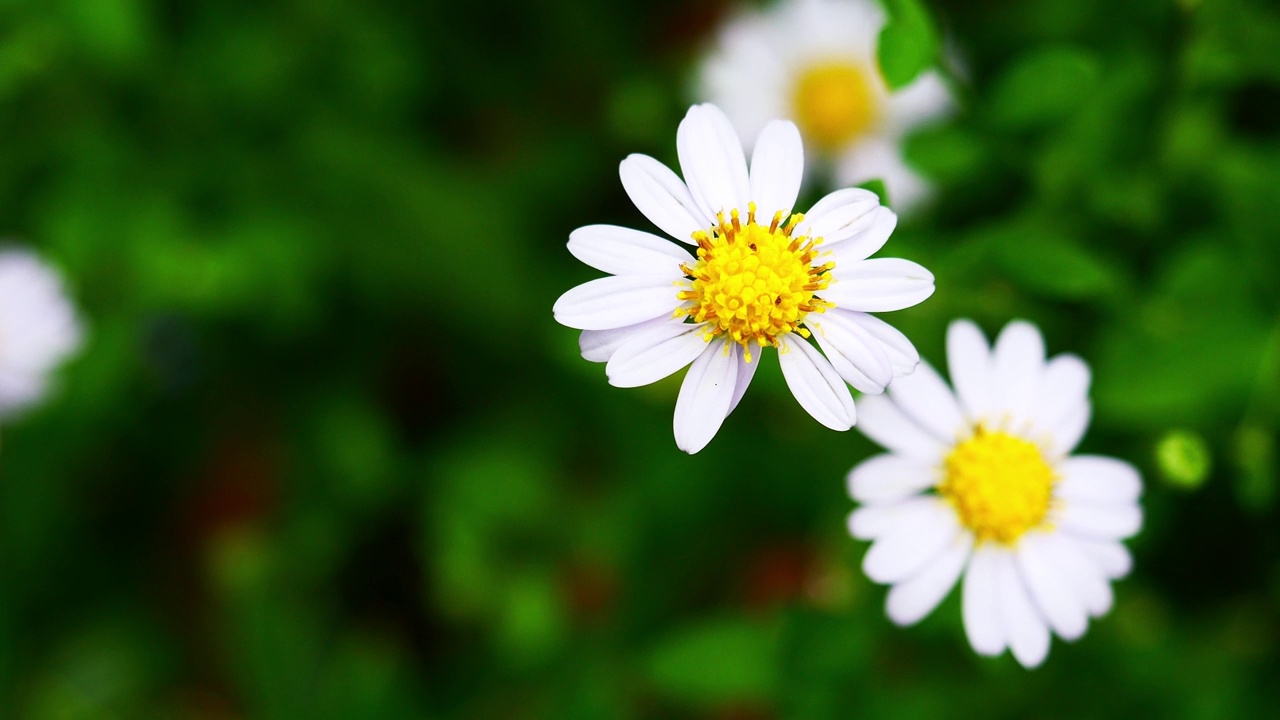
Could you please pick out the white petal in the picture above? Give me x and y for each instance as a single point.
(926, 98)
(925, 398)
(1018, 359)
(704, 396)
(1064, 389)
(840, 215)
(712, 161)
(19, 390)
(1085, 578)
(814, 383)
(623, 251)
(751, 86)
(1049, 588)
(902, 354)
(854, 353)
(1025, 630)
(618, 301)
(969, 362)
(885, 424)
(851, 29)
(1098, 480)
(865, 238)
(1102, 522)
(746, 371)
(656, 353)
(661, 196)
(912, 599)
(914, 540)
(879, 285)
(871, 521)
(600, 345)
(888, 477)
(39, 328)
(777, 167)
(880, 158)
(1066, 435)
(1112, 558)
(980, 602)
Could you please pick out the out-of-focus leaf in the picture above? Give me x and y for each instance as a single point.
(115, 31)
(105, 671)
(486, 495)
(366, 677)
(718, 661)
(1189, 352)
(908, 42)
(637, 111)
(531, 622)
(945, 153)
(355, 446)
(1043, 86)
(1046, 260)
(1255, 456)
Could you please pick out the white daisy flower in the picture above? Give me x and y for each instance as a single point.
(815, 62)
(761, 277)
(38, 329)
(982, 483)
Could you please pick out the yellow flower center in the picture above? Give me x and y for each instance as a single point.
(999, 484)
(754, 282)
(834, 102)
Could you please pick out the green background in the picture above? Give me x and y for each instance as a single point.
(327, 455)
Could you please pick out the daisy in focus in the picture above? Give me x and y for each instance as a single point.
(814, 62)
(981, 483)
(38, 329)
(749, 275)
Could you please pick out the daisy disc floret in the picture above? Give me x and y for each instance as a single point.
(815, 62)
(980, 483)
(38, 329)
(759, 275)
(999, 484)
(755, 283)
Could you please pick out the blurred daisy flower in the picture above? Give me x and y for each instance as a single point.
(38, 329)
(982, 483)
(761, 276)
(814, 61)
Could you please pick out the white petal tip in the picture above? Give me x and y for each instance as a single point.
(1031, 662)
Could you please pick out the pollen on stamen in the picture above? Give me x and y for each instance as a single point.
(753, 283)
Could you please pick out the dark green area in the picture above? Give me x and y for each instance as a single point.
(327, 455)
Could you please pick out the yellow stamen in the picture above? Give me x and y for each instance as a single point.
(834, 103)
(754, 282)
(999, 484)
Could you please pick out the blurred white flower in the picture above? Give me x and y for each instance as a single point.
(815, 62)
(762, 276)
(38, 329)
(982, 483)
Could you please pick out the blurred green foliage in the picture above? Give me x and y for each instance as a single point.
(908, 43)
(328, 456)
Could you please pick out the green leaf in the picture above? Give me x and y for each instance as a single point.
(1044, 86)
(877, 186)
(1190, 352)
(720, 661)
(946, 153)
(1255, 457)
(531, 619)
(1051, 263)
(908, 42)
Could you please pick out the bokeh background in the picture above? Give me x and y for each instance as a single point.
(327, 455)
